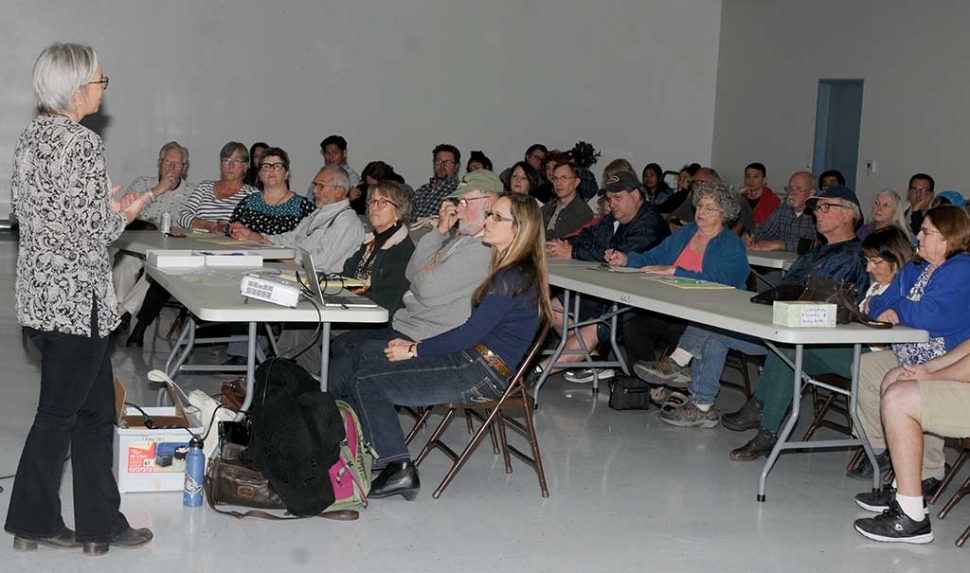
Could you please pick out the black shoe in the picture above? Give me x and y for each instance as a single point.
(894, 526)
(747, 418)
(123, 325)
(397, 478)
(63, 539)
(128, 538)
(137, 336)
(760, 445)
(880, 501)
(863, 469)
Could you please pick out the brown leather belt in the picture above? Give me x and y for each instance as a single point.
(493, 360)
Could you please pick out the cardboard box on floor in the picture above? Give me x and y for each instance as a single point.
(151, 459)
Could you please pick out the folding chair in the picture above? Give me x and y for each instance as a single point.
(515, 397)
(960, 493)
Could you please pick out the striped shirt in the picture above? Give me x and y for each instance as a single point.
(203, 204)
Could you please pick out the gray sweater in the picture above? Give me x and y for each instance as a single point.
(440, 296)
(331, 234)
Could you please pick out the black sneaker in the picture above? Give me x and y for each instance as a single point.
(863, 469)
(880, 501)
(894, 526)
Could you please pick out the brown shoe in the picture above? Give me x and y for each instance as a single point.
(760, 445)
(63, 539)
(128, 538)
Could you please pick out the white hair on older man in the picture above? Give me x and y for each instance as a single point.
(60, 70)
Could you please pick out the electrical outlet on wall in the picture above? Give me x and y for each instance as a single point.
(808, 163)
(870, 167)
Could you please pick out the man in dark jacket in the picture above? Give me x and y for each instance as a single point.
(629, 226)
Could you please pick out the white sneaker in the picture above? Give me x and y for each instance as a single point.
(585, 376)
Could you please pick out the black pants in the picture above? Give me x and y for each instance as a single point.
(76, 409)
(154, 302)
(645, 331)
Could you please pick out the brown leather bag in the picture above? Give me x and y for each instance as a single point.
(230, 482)
(233, 393)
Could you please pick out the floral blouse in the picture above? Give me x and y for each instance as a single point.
(61, 199)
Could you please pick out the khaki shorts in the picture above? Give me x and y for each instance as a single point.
(945, 408)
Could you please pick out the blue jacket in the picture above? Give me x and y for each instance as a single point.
(837, 262)
(942, 308)
(725, 260)
(642, 233)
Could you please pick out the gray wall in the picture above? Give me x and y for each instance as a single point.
(634, 77)
(912, 55)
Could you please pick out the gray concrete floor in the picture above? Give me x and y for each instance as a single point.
(628, 493)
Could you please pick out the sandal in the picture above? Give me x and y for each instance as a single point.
(675, 401)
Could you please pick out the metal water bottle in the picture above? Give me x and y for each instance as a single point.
(194, 474)
(166, 223)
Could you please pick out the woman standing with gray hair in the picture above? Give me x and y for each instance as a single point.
(66, 303)
(705, 249)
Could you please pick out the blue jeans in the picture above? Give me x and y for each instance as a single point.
(708, 363)
(378, 385)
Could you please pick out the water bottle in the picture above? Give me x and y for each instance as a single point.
(194, 474)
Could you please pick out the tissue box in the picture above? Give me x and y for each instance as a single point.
(151, 460)
(804, 314)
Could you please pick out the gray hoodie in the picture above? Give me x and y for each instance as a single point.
(440, 297)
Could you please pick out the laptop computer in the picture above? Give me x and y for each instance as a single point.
(340, 297)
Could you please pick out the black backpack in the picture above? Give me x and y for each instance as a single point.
(296, 435)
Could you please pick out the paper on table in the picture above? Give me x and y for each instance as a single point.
(614, 269)
(692, 283)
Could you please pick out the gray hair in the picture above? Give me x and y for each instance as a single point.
(726, 200)
(340, 177)
(899, 217)
(395, 193)
(182, 149)
(234, 147)
(60, 70)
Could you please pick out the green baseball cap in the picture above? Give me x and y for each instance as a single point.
(481, 180)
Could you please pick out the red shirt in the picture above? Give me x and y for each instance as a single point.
(767, 204)
(689, 260)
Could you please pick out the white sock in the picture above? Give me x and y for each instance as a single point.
(703, 407)
(681, 357)
(911, 506)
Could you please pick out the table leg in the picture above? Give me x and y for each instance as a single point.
(856, 423)
(250, 372)
(554, 357)
(324, 356)
(172, 369)
(587, 356)
(789, 425)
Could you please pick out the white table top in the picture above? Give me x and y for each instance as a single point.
(140, 242)
(729, 309)
(772, 259)
(213, 294)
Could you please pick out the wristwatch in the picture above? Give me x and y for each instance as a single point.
(412, 351)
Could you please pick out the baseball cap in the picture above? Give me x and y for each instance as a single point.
(836, 192)
(481, 180)
(620, 181)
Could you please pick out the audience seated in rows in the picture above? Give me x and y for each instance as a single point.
(446, 267)
(931, 293)
(789, 227)
(428, 197)
(169, 191)
(836, 214)
(887, 210)
(256, 151)
(629, 226)
(760, 197)
(470, 363)
(567, 213)
(919, 194)
(886, 252)
(656, 189)
(918, 402)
